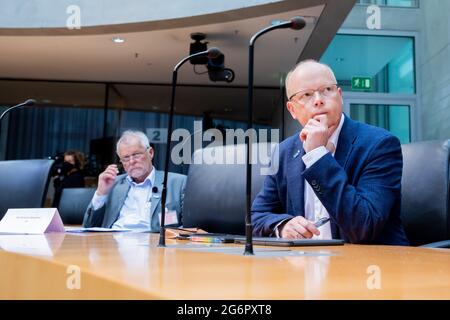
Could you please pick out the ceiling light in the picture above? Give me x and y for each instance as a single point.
(118, 40)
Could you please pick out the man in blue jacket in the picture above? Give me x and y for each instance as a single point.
(334, 168)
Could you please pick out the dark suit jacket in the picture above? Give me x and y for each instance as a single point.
(107, 215)
(360, 187)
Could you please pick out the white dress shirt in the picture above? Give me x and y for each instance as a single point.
(135, 212)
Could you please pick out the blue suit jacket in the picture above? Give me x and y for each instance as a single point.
(360, 187)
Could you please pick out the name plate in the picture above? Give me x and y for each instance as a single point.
(31, 221)
(170, 218)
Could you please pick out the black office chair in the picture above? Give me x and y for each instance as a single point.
(73, 204)
(215, 198)
(425, 193)
(23, 183)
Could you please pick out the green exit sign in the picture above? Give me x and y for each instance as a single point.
(361, 83)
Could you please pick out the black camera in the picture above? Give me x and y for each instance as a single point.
(216, 66)
(217, 70)
(221, 75)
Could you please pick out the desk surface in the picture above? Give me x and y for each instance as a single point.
(131, 266)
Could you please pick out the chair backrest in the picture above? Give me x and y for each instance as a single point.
(215, 198)
(425, 191)
(73, 204)
(23, 183)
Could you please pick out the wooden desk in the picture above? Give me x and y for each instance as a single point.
(131, 266)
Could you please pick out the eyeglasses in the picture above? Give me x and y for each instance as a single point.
(135, 156)
(305, 96)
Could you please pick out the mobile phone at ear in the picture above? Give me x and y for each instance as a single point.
(120, 168)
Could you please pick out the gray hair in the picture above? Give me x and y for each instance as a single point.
(301, 64)
(130, 136)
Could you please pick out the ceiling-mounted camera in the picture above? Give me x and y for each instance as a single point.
(215, 66)
(198, 46)
(217, 70)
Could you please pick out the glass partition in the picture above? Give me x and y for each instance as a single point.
(386, 61)
(394, 118)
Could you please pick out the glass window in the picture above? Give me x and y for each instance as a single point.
(392, 3)
(70, 115)
(150, 120)
(394, 118)
(41, 132)
(387, 61)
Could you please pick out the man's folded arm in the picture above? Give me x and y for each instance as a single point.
(360, 210)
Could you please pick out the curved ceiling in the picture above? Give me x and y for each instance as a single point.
(151, 49)
(26, 14)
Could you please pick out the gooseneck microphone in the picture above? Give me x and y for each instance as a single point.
(27, 103)
(211, 54)
(295, 23)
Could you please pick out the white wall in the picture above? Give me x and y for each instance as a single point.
(435, 69)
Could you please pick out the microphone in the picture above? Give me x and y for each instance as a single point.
(213, 53)
(295, 23)
(28, 103)
(155, 189)
(210, 53)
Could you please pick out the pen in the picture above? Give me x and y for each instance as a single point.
(321, 222)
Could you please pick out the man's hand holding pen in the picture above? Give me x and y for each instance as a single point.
(301, 228)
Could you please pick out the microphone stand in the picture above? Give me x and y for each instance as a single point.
(295, 23)
(211, 53)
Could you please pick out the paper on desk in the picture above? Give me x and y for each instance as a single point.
(94, 229)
